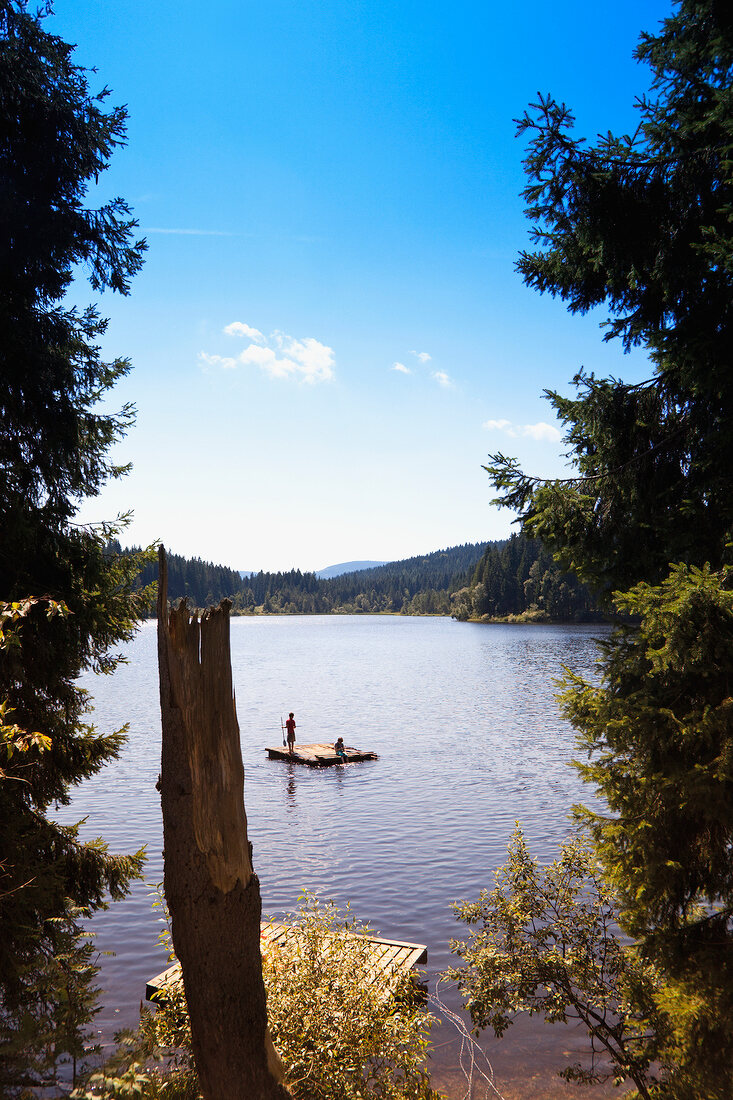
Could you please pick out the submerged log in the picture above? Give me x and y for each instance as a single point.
(212, 891)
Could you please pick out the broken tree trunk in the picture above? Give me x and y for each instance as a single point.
(212, 892)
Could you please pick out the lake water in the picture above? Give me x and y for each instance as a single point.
(469, 740)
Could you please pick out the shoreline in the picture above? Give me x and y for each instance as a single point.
(525, 618)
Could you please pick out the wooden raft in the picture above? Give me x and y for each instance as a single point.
(390, 957)
(318, 756)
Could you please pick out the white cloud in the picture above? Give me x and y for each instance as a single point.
(443, 379)
(282, 356)
(542, 432)
(217, 360)
(422, 356)
(313, 360)
(401, 368)
(260, 357)
(238, 328)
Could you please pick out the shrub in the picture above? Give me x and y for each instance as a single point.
(340, 1034)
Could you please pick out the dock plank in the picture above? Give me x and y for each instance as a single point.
(389, 957)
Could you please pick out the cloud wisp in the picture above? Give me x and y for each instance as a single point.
(442, 378)
(542, 432)
(189, 232)
(277, 356)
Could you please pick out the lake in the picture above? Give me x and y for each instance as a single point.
(463, 718)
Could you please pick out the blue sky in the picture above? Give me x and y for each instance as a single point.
(329, 337)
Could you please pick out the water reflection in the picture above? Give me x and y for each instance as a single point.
(339, 775)
(291, 788)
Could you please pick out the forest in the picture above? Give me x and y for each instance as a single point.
(485, 580)
(520, 580)
(415, 586)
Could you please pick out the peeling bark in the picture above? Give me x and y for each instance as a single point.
(212, 891)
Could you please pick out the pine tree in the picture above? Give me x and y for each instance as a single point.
(644, 225)
(67, 599)
(658, 732)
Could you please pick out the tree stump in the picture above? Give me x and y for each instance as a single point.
(212, 892)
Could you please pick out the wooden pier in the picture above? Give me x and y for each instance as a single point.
(318, 756)
(389, 957)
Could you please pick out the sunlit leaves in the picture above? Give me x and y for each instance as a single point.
(544, 941)
(657, 731)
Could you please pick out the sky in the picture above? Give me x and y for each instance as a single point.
(329, 337)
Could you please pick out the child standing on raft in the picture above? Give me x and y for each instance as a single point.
(290, 727)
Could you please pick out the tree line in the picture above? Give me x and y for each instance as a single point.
(413, 586)
(419, 585)
(502, 579)
(202, 583)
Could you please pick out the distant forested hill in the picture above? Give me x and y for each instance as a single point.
(476, 580)
(414, 586)
(421, 585)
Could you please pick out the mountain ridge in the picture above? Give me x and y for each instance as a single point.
(346, 567)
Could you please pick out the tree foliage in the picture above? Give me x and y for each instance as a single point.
(643, 225)
(543, 941)
(658, 731)
(66, 599)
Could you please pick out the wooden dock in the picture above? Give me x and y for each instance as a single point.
(390, 957)
(318, 756)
